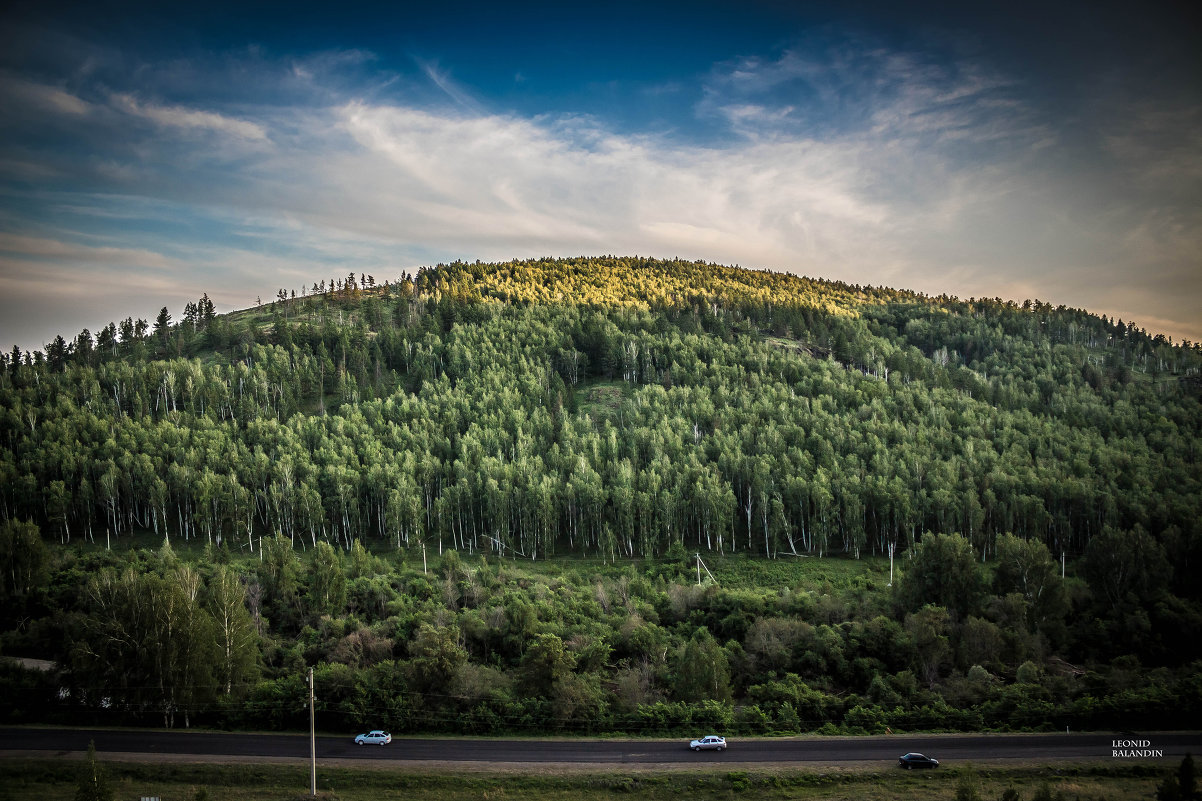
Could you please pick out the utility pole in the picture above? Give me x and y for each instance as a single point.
(312, 740)
(698, 569)
(1062, 565)
(424, 572)
(891, 564)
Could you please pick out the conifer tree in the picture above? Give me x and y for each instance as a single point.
(93, 783)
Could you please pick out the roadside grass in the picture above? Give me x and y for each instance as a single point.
(29, 779)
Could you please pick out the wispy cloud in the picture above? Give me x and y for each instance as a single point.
(448, 85)
(853, 88)
(856, 163)
(30, 95)
(190, 119)
(15, 247)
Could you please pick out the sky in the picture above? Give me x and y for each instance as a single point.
(154, 152)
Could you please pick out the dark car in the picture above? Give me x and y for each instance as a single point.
(911, 761)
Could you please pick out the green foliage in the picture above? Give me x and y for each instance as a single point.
(436, 657)
(968, 788)
(1027, 673)
(280, 573)
(812, 706)
(1045, 793)
(422, 665)
(326, 594)
(1125, 567)
(1027, 568)
(739, 781)
(148, 637)
(752, 720)
(44, 778)
(380, 477)
(943, 572)
(446, 404)
(237, 642)
(865, 720)
(23, 559)
(787, 719)
(362, 563)
(546, 664)
(680, 718)
(93, 783)
(702, 672)
(929, 628)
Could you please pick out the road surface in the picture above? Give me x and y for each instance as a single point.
(948, 749)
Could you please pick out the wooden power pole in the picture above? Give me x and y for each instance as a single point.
(312, 740)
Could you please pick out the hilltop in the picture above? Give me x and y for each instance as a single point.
(436, 445)
(610, 406)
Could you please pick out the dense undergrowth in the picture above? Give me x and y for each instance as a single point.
(486, 646)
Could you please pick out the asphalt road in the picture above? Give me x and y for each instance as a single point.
(948, 749)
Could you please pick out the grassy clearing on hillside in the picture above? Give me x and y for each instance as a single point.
(832, 574)
(789, 572)
(600, 399)
(28, 779)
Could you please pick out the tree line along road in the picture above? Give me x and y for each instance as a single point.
(1170, 746)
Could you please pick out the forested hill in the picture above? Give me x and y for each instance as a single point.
(614, 407)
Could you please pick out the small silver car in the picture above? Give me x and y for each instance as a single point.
(376, 737)
(710, 743)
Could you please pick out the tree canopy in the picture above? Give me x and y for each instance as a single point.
(612, 407)
(364, 467)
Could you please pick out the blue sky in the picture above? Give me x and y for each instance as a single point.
(150, 153)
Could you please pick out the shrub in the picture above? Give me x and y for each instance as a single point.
(752, 720)
(871, 719)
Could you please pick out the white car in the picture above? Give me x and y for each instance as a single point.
(712, 743)
(376, 737)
